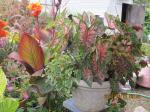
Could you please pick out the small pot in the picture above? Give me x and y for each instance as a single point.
(91, 99)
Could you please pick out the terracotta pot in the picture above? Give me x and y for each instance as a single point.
(144, 77)
(91, 99)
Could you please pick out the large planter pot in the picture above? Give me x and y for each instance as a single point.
(91, 99)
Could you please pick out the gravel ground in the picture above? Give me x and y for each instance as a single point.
(134, 102)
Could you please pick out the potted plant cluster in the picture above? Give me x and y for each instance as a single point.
(103, 61)
(72, 49)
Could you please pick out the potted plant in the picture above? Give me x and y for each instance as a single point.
(126, 53)
(102, 60)
(90, 56)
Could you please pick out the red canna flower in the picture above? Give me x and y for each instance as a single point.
(3, 33)
(35, 9)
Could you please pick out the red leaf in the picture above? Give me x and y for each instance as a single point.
(31, 52)
(137, 27)
(87, 73)
(110, 22)
(101, 51)
(87, 35)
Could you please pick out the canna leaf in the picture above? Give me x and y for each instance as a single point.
(8, 105)
(3, 82)
(31, 52)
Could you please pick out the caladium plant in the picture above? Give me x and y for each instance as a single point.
(87, 48)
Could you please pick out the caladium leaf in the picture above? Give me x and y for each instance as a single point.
(87, 35)
(31, 52)
(85, 17)
(110, 21)
(101, 51)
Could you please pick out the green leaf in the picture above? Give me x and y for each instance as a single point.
(41, 85)
(20, 110)
(132, 84)
(3, 82)
(8, 105)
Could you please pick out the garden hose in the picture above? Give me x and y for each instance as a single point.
(138, 94)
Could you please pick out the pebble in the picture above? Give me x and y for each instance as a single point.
(140, 109)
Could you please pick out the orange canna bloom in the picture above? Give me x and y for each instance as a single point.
(35, 8)
(2, 24)
(3, 33)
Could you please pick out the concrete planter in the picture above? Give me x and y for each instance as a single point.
(91, 99)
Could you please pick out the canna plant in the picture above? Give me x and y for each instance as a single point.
(30, 52)
(37, 50)
(5, 46)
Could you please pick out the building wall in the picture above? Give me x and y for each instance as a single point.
(98, 7)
